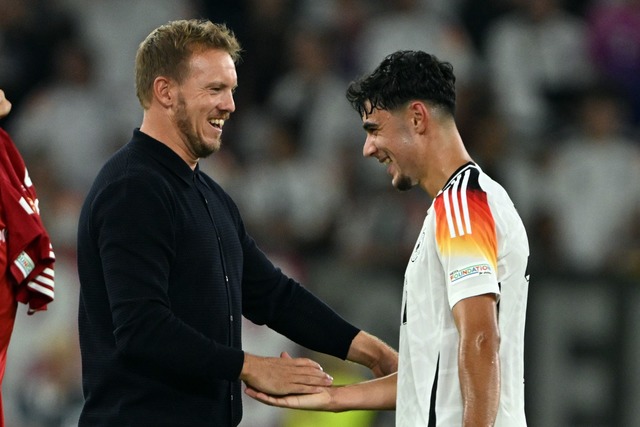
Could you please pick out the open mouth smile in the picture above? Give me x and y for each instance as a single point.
(217, 123)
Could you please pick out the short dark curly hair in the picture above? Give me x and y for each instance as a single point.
(401, 77)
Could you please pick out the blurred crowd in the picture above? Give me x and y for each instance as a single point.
(548, 105)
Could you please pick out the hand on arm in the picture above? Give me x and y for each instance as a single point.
(371, 352)
(377, 394)
(478, 358)
(283, 375)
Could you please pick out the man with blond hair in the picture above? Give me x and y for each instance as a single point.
(167, 268)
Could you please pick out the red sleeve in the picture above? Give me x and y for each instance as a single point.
(29, 251)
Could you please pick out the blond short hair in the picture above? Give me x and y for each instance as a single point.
(167, 49)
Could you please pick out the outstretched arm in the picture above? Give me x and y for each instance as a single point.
(371, 352)
(377, 394)
(305, 387)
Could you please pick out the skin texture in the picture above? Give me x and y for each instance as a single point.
(189, 117)
(5, 105)
(180, 114)
(420, 146)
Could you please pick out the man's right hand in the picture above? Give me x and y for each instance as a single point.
(284, 375)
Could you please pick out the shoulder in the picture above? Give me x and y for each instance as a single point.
(130, 181)
(470, 196)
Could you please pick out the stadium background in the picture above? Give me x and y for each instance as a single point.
(548, 104)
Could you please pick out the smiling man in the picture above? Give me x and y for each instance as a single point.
(167, 268)
(466, 283)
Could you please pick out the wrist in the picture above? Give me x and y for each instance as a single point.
(373, 353)
(247, 368)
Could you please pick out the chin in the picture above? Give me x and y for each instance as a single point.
(204, 150)
(403, 183)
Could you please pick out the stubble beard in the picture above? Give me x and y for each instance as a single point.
(404, 183)
(195, 144)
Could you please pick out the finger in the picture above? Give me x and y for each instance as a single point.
(290, 401)
(260, 396)
(308, 385)
(312, 377)
(300, 366)
(252, 392)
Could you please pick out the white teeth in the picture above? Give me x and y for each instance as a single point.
(217, 122)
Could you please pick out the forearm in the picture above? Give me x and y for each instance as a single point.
(373, 353)
(479, 370)
(377, 394)
(311, 323)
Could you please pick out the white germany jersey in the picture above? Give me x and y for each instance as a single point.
(472, 242)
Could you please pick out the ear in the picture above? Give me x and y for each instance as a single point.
(418, 115)
(162, 91)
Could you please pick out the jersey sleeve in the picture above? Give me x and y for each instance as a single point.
(29, 251)
(466, 239)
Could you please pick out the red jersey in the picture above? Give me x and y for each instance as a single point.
(26, 255)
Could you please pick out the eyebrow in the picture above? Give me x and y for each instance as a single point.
(369, 126)
(222, 85)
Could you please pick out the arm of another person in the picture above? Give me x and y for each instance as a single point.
(376, 394)
(373, 353)
(271, 298)
(286, 375)
(478, 358)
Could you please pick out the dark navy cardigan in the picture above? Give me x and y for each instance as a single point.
(166, 270)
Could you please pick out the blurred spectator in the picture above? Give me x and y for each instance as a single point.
(43, 373)
(479, 16)
(537, 59)
(614, 42)
(28, 31)
(310, 96)
(60, 116)
(345, 19)
(416, 25)
(263, 57)
(372, 235)
(290, 201)
(112, 30)
(49, 393)
(592, 193)
(67, 133)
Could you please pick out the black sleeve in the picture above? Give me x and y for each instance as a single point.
(272, 298)
(134, 219)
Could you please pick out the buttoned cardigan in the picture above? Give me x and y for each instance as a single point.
(166, 270)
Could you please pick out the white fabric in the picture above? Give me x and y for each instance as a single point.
(472, 243)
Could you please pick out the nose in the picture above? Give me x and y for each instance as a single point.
(369, 147)
(228, 104)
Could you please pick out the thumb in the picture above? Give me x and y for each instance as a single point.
(285, 355)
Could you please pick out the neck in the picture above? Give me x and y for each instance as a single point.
(160, 127)
(447, 156)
